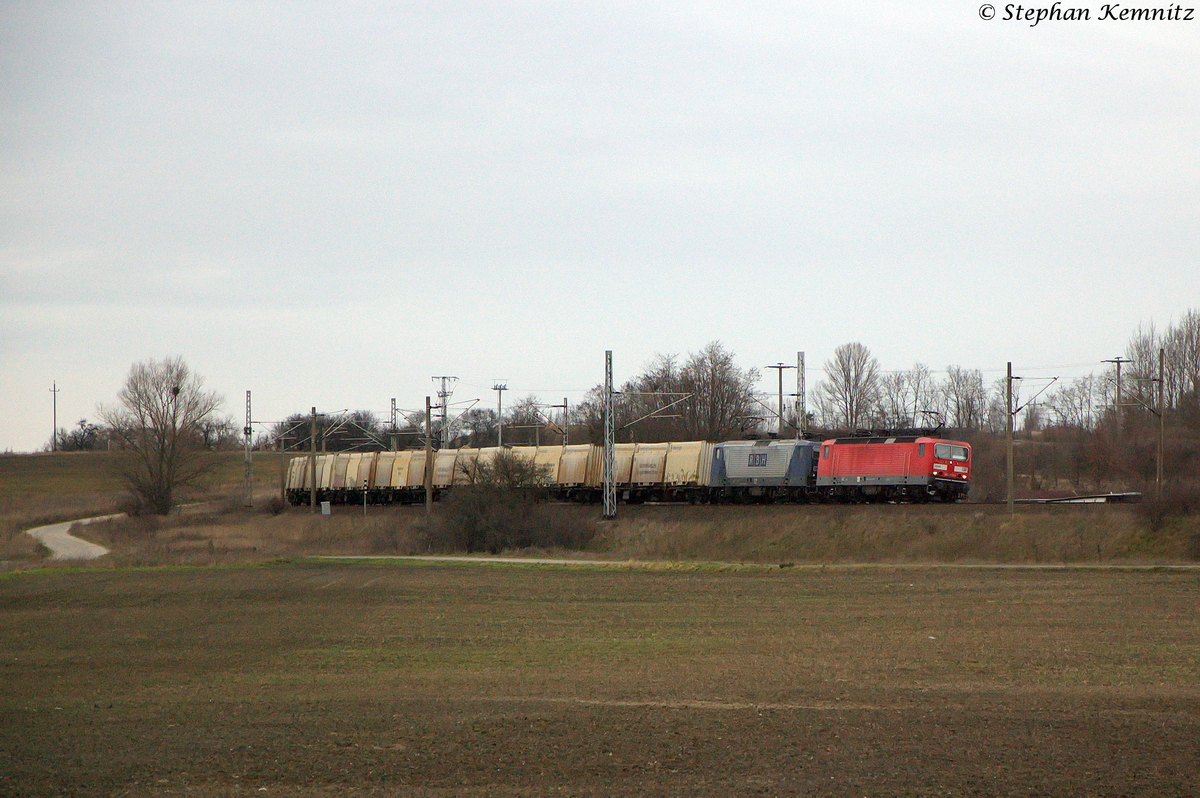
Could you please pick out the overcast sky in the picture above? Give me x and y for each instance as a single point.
(328, 204)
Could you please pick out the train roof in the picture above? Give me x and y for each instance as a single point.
(895, 439)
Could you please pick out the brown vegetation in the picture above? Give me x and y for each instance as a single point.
(37, 489)
(1083, 535)
(500, 508)
(962, 534)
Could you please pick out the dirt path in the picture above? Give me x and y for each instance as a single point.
(476, 559)
(65, 546)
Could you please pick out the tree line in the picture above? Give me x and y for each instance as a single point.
(856, 393)
(165, 423)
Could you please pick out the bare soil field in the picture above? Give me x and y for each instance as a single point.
(316, 679)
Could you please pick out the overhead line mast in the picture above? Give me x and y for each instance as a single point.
(444, 399)
(801, 399)
(780, 368)
(499, 388)
(54, 429)
(248, 432)
(610, 485)
(1119, 404)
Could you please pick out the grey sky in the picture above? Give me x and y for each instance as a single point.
(329, 203)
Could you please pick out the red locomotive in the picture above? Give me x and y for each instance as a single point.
(909, 468)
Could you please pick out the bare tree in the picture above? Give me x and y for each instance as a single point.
(527, 421)
(849, 395)
(82, 438)
(219, 432)
(359, 430)
(720, 406)
(481, 424)
(589, 413)
(995, 414)
(159, 422)
(895, 406)
(1073, 403)
(1137, 386)
(965, 397)
(722, 394)
(1182, 366)
(906, 396)
(499, 508)
(645, 394)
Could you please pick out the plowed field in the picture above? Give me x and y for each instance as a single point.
(401, 679)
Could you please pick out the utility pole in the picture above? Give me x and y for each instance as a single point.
(444, 398)
(564, 407)
(312, 460)
(281, 443)
(54, 427)
(1120, 414)
(428, 457)
(1008, 433)
(1010, 413)
(801, 401)
(1162, 414)
(610, 484)
(500, 388)
(248, 432)
(566, 422)
(780, 367)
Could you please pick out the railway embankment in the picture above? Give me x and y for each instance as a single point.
(962, 533)
(798, 534)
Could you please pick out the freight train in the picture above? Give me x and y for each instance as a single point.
(893, 469)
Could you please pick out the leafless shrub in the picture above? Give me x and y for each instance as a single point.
(1178, 500)
(501, 509)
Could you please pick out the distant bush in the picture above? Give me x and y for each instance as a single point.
(501, 508)
(1178, 500)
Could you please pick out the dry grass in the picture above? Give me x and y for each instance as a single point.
(222, 533)
(37, 489)
(898, 534)
(226, 533)
(24, 512)
(45, 489)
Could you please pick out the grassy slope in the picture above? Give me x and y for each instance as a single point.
(891, 533)
(91, 473)
(45, 488)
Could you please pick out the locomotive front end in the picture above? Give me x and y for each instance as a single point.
(951, 468)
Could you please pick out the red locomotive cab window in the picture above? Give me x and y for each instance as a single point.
(920, 450)
(946, 451)
(825, 452)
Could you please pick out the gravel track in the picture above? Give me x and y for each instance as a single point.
(65, 546)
